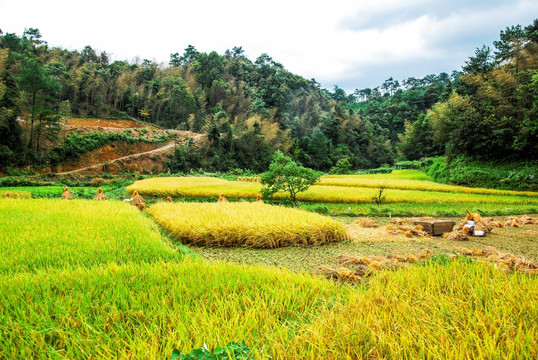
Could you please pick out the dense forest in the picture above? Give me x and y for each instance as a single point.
(249, 109)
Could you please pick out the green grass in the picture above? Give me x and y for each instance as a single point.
(42, 233)
(79, 192)
(425, 209)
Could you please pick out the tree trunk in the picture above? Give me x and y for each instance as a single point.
(32, 121)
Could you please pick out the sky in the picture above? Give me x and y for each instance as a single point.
(353, 44)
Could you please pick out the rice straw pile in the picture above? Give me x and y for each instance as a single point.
(366, 266)
(492, 222)
(480, 223)
(366, 223)
(410, 221)
(456, 235)
(513, 221)
(409, 231)
(505, 261)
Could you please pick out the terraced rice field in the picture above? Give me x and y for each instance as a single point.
(85, 279)
(244, 223)
(345, 193)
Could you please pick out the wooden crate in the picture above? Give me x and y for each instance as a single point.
(436, 227)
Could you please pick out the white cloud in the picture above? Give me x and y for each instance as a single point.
(355, 43)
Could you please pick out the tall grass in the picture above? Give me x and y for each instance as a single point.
(456, 310)
(251, 224)
(41, 233)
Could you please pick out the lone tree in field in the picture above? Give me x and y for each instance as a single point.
(285, 175)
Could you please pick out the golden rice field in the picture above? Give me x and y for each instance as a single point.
(84, 279)
(16, 194)
(143, 311)
(244, 223)
(207, 187)
(375, 181)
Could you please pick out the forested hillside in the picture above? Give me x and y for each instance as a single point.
(249, 109)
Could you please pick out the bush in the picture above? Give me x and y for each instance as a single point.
(506, 176)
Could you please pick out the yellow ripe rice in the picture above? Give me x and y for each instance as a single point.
(243, 223)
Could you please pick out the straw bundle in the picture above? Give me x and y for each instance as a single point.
(169, 199)
(67, 194)
(480, 223)
(456, 235)
(527, 220)
(222, 199)
(341, 274)
(409, 231)
(410, 221)
(512, 222)
(368, 265)
(506, 261)
(424, 254)
(8, 196)
(100, 195)
(492, 222)
(137, 199)
(259, 199)
(367, 223)
(141, 206)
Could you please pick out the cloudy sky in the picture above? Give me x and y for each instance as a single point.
(349, 43)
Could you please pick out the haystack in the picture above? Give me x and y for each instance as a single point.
(100, 195)
(169, 199)
(137, 199)
(366, 223)
(222, 199)
(259, 199)
(8, 196)
(67, 194)
(480, 223)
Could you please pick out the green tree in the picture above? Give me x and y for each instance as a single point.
(481, 63)
(342, 167)
(285, 175)
(209, 68)
(37, 84)
(509, 47)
